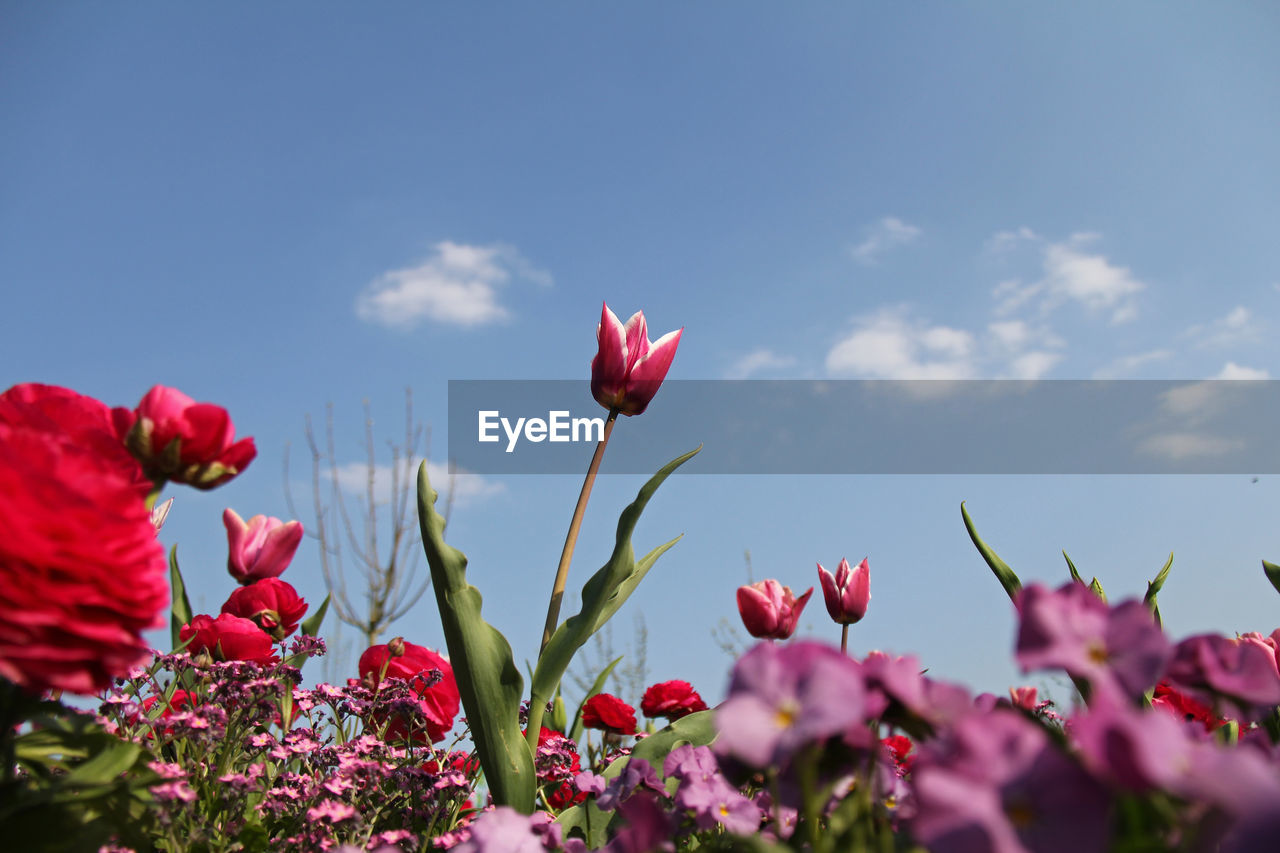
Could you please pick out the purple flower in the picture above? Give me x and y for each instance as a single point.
(994, 782)
(782, 698)
(1072, 629)
(897, 688)
(505, 830)
(637, 774)
(714, 802)
(648, 826)
(1209, 666)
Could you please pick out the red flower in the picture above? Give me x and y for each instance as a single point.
(81, 573)
(439, 703)
(180, 699)
(609, 713)
(83, 420)
(176, 438)
(899, 746)
(671, 699)
(273, 605)
(1184, 707)
(557, 782)
(229, 637)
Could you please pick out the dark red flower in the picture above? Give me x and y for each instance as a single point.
(899, 747)
(176, 438)
(439, 702)
(81, 573)
(229, 637)
(671, 699)
(609, 713)
(557, 782)
(272, 604)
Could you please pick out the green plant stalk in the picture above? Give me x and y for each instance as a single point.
(571, 539)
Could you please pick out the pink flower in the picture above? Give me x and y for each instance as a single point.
(609, 713)
(770, 610)
(228, 637)
(628, 369)
(847, 593)
(176, 438)
(260, 548)
(273, 605)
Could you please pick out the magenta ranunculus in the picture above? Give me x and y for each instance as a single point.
(847, 592)
(229, 637)
(770, 610)
(610, 714)
(175, 438)
(438, 702)
(273, 605)
(671, 699)
(82, 575)
(84, 421)
(261, 547)
(628, 369)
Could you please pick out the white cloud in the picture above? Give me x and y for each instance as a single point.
(458, 285)
(1033, 365)
(1004, 241)
(889, 233)
(1089, 279)
(1238, 327)
(887, 345)
(1126, 365)
(758, 361)
(1069, 273)
(1188, 445)
(353, 477)
(1231, 370)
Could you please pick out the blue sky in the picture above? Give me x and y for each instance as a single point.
(276, 206)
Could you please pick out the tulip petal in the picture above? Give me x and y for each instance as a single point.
(609, 367)
(637, 339)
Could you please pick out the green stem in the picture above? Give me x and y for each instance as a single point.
(566, 556)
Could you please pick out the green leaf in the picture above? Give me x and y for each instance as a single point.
(488, 679)
(311, 625)
(575, 733)
(602, 595)
(1071, 567)
(180, 609)
(105, 767)
(1273, 574)
(1008, 579)
(1154, 586)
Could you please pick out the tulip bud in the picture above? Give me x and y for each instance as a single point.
(847, 593)
(770, 610)
(260, 548)
(559, 715)
(396, 648)
(629, 368)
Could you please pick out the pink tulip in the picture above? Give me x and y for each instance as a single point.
(848, 592)
(629, 368)
(770, 610)
(261, 547)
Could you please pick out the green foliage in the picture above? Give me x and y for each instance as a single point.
(488, 679)
(1008, 579)
(602, 595)
(180, 607)
(1273, 574)
(82, 786)
(1154, 586)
